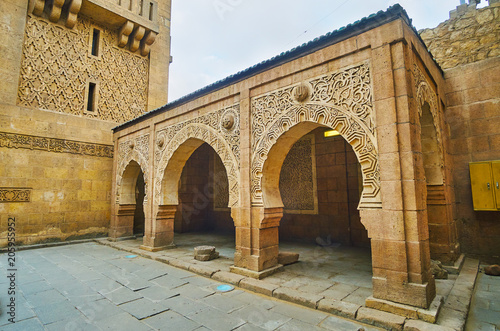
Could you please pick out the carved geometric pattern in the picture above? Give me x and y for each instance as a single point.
(207, 128)
(136, 149)
(14, 140)
(57, 67)
(342, 101)
(10, 194)
(296, 178)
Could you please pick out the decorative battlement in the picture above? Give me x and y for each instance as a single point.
(136, 21)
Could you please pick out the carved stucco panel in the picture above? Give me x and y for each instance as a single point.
(57, 67)
(134, 149)
(341, 100)
(220, 129)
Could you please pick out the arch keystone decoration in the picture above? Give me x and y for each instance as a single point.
(340, 100)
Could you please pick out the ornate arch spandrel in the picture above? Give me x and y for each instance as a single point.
(135, 149)
(340, 100)
(218, 129)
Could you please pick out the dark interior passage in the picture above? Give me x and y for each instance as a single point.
(204, 195)
(320, 185)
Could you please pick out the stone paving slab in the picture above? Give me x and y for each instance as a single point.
(143, 308)
(196, 307)
(173, 320)
(344, 297)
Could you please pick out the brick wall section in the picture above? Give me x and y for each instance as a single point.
(471, 35)
(473, 116)
(335, 207)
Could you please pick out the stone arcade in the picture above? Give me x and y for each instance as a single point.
(358, 137)
(373, 82)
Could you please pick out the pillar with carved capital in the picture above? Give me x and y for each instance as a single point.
(257, 242)
(122, 223)
(160, 233)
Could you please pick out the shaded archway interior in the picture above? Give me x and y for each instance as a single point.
(320, 185)
(132, 193)
(203, 191)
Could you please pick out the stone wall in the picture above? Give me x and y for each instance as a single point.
(467, 47)
(473, 116)
(65, 164)
(470, 35)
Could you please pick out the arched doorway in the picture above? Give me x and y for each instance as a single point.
(130, 218)
(172, 163)
(320, 186)
(139, 217)
(204, 195)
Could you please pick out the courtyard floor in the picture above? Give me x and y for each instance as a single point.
(93, 287)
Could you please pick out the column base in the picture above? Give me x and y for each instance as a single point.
(427, 315)
(156, 249)
(256, 274)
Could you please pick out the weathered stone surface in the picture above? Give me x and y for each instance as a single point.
(258, 286)
(228, 277)
(438, 271)
(203, 270)
(380, 318)
(286, 258)
(414, 325)
(340, 308)
(298, 297)
(468, 36)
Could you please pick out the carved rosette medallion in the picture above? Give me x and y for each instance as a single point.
(134, 149)
(301, 93)
(341, 100)
(219, 129)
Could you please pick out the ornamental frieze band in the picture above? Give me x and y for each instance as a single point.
(14, 194)
(14, 140)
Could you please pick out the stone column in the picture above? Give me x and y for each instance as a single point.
(257, 245)
(122, 224)
(160, 235)
(399, 231)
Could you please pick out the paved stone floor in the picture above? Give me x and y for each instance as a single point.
(94, 287)
(334, 271)
(484, 313)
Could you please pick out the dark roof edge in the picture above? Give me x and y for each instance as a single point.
(365, 24)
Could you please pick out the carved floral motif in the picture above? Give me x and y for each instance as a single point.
(340, 100)
(13, 194)
(14, 140)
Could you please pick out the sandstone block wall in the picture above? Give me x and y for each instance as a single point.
(65, 164)
(473, 116)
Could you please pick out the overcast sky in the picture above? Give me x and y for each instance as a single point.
(212, 39)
